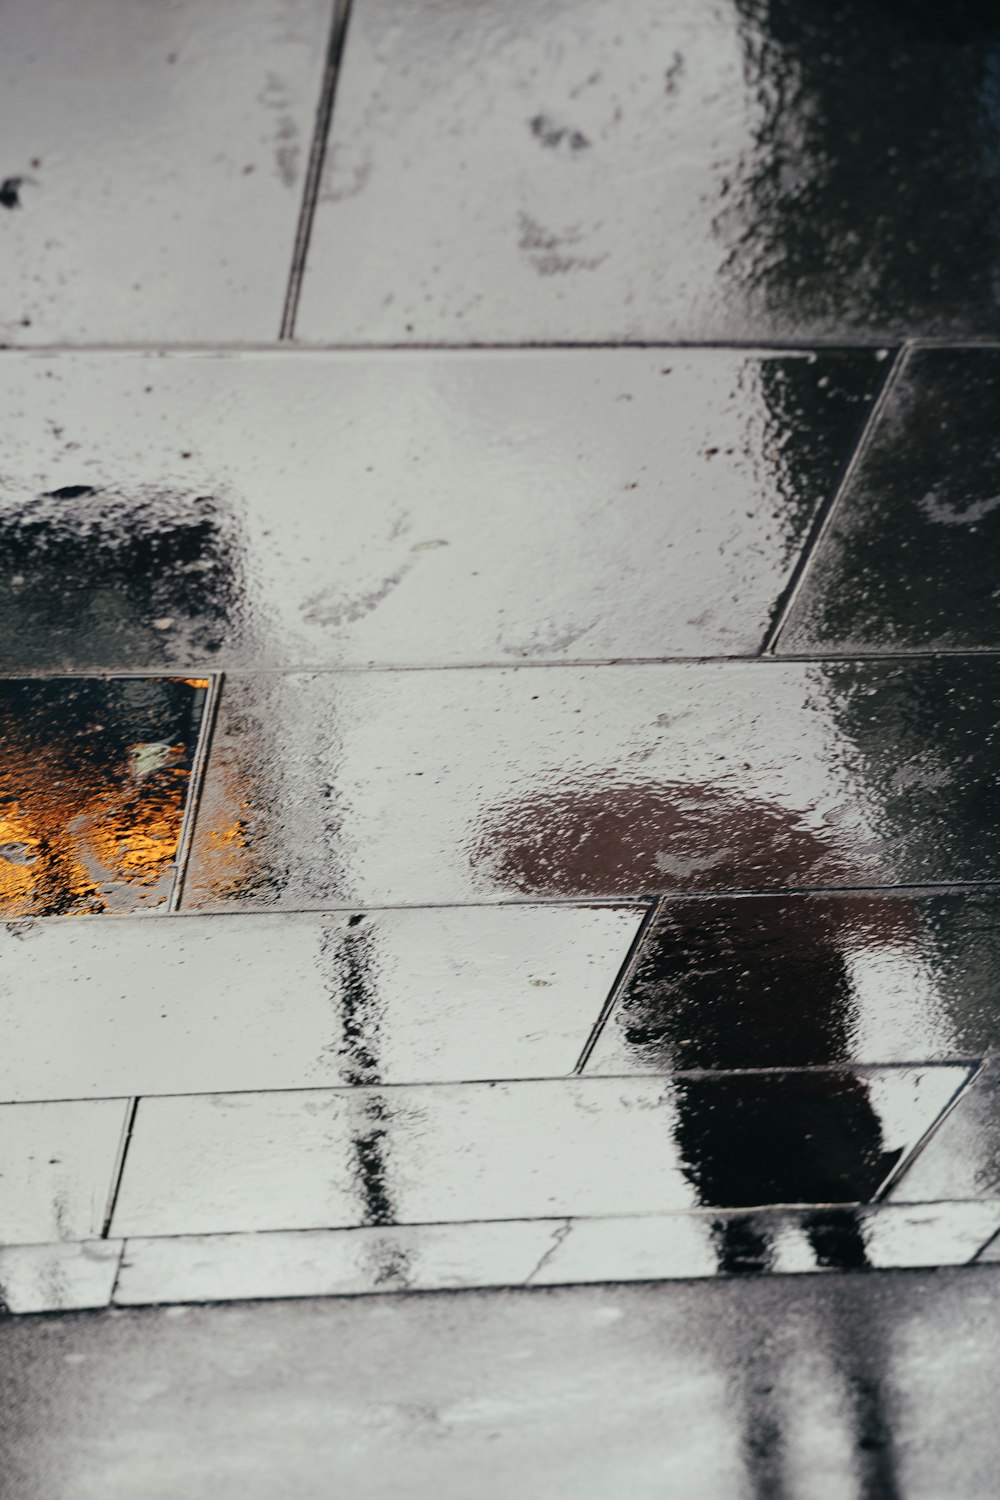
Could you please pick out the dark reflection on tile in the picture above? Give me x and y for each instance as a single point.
(869, 195)
(740, 983)
(795, 1138)
(456, 786)
(764, 168)
(910, 561)
(355, 964)
(93, 781)
(89, 576)
(802, 980)
(920, 745)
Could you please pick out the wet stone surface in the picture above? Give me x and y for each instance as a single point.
(869, 1385)
(185, 1005)
(800, 981)
(152, 160)
(223, 1163)
(760, 169)
(60, 1162)
(457, 786)
(962, 1158)
(910, 560)
(434, 508)
(550, 1252)
(94, 776)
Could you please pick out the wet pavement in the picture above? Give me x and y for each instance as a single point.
(499, 746)
(879, 1386)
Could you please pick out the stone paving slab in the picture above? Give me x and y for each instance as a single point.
(568, 782)
(203, 512)
(618, 170)
(153, 164)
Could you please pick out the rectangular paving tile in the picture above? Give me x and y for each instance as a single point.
(542, 1252)
(990, 1252)
(57, 1169)
(535, 505)
(152, 169)
(195, 1004)
(665, 1247)
(94, 779)
(962, 1158)
(331, 1262)
(58, 1278)
(803, 980)
(412, 787)
(222, 1163)
(621, 169)
(909, 562)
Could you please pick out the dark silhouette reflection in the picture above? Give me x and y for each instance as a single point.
(870, 195)
(350, 960)
(732, 981)
(755, 1138)
(850, 1339)
(89, 576)
(798, 1138)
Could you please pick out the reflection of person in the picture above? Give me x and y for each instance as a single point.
(747, 1139)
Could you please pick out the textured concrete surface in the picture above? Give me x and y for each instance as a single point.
(835, 1387)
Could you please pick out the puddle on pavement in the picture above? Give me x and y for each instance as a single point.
(94, 777)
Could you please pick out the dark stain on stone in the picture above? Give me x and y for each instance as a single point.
(549, 134)
(70, 492)
(10, 192)
(673, 74)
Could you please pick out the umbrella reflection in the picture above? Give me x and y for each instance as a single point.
(751, 1139)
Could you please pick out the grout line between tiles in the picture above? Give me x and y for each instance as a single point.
(588, 1080)
(975, 1260)
(165, 349)
(907, 1160)
(314, 169)
(534, 1288)
(557, 1220)
(573, 903)
(823, 519)
(803, 347)
(618, 986)
(196, 782)
(133, 1107)
(119, 1266)
(328, 669)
